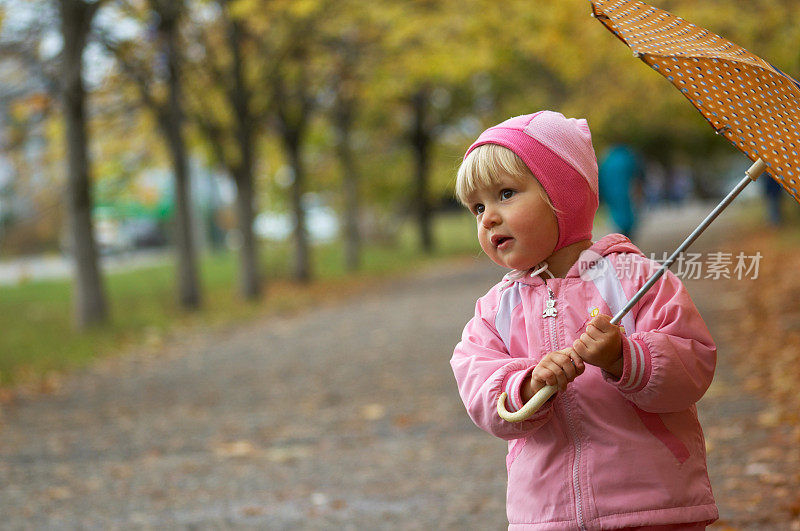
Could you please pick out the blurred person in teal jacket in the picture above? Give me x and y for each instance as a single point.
(620, 170)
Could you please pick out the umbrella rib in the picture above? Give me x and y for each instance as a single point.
(762, 65)
(613, 26)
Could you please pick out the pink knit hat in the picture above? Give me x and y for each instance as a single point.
(559, 153)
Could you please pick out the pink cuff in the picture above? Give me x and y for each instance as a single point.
(636, 367)
(512, 384)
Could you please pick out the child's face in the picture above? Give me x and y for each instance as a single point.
(517, 228)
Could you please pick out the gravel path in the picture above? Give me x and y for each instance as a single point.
(343, 417)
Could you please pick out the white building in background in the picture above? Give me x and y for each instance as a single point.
(322, 223)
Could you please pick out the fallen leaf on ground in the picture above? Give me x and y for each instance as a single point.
(373, 411)
(235, 449)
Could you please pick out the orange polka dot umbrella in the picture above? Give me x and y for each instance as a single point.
(744, 98)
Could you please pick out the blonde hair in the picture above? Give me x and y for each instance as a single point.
(485, 165)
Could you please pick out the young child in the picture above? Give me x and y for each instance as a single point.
(619, 446)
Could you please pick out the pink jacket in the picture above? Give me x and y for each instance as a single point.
(605, 453)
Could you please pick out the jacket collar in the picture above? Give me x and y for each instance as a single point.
(610, 244)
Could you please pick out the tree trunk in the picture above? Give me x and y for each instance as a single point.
(171, 121)
(89, 300)
(249, 281)
(302, 262)
(249, 284)
(421, 142)
(343, 121)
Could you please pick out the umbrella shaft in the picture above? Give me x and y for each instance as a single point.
(752, 174)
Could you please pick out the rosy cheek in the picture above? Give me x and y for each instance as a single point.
(485, 243)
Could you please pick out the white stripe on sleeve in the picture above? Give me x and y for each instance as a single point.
(502, 321)
(511, 385)
(640, 353)
(634, 364)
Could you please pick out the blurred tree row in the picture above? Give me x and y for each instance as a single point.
(371, 102)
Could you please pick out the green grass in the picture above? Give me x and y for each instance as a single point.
(37, 335)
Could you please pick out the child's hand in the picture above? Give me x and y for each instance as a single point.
(556, 368)
(601, 345)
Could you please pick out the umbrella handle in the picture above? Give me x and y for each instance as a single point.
(537, 401)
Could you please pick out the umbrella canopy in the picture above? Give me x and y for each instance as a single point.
(743, 97)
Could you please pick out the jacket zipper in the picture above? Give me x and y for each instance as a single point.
(575, 467)
(554, 343)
